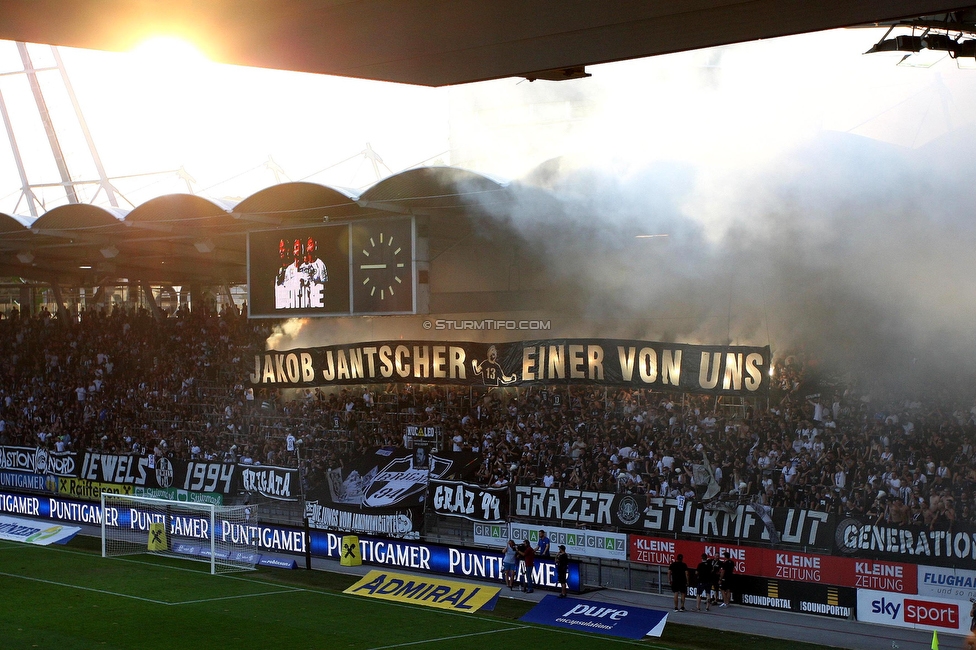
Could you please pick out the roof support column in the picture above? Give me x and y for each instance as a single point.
(151, 301)
(59, 299)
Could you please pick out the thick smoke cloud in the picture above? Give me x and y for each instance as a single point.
(857, 252)
(813, 199)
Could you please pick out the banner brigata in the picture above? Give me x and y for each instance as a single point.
(277, 483)
(712, 369)
(425, 590)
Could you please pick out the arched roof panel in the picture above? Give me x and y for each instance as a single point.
(298, 203)
(436, 190)
(179, 210)
(76, 216)
(9, 224)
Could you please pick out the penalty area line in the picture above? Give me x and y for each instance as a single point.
(210, 600)
(98, 591)
(449, 638)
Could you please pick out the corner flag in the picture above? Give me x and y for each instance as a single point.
(935, 640)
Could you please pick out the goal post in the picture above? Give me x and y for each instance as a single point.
(194, 531)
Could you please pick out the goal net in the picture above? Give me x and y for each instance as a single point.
(194, 531)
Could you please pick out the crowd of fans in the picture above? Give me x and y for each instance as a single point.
(122, 381)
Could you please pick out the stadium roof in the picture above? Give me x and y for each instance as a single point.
(438, 42)
(185, 239)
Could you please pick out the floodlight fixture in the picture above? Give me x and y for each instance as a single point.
(965, 54)
(903, 43)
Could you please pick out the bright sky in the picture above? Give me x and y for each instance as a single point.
(721, 109)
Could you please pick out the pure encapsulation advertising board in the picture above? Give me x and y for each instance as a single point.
(332, 270)
(602, 618)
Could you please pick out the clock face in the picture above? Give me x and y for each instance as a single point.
(383, 266)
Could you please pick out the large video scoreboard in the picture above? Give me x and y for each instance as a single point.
(360, 268)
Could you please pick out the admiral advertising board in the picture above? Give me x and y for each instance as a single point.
(463, 597)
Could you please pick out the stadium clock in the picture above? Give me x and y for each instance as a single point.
(383, 266)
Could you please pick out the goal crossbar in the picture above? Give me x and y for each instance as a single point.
(194, 531)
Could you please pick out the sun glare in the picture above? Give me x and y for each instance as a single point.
(169, 51)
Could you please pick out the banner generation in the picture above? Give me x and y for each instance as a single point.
(860, 537)
(718, 370)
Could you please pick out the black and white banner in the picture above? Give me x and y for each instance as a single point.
(713, 369)
(401, 524)
(663, 517)
(37, 460)
(860, 537)
(454, 498)
(392, 478)
(162, 473)
(278, 483)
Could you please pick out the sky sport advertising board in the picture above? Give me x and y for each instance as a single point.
(333, 269)
(916, 612)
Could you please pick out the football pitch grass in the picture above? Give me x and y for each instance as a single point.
(67, 597)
